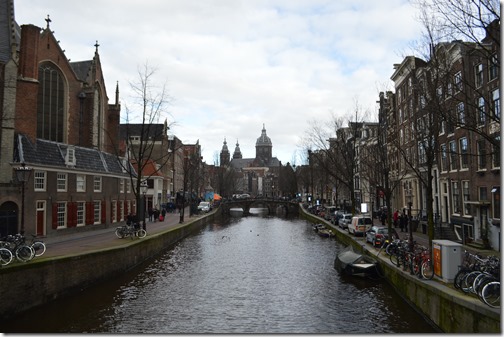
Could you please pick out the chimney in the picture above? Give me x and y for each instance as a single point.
(28, 60)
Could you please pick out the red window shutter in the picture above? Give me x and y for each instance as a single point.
(118, 208)
(55, 215)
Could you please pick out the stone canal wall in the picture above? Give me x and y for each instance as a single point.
(450, 310)
(25, 286)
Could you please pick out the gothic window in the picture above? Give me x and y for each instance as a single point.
(50, 109)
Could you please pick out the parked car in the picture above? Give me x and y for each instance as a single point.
(329, 212)
(345, 220)
(377, 235)
(204, 206)
(360, 224)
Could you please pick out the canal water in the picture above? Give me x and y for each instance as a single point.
(242, 275)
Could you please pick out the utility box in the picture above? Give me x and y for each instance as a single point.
(447, 257)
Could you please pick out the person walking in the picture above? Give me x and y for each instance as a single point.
(396, 218)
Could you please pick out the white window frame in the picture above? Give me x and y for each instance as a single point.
(97, 212)
(39, 181)
(478, 75)
(466, 196)
(81, 213)
(62, 214)
(80, 183)
(70, 159)
(61, 181)
(496, 104)
(464, 153)
(114, 211)
(453, 155)
(97, 183)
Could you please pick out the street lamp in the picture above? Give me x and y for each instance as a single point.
(23, 174)
(143, 190)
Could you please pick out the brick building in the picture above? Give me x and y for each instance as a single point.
(57, 122)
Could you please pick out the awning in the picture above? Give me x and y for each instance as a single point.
(216, 197)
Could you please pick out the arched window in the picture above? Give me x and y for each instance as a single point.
(50, 109)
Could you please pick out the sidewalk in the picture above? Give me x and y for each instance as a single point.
(79, 242)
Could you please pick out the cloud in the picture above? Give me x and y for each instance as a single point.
(231, 66)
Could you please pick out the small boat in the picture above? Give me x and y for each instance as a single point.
(325, 233)
(355, 264)
(318, 227)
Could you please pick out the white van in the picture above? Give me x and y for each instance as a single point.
(360, 225)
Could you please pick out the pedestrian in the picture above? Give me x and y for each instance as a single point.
(383, 218)
(396, 218)
(151, 214)
(163, 213)
(404, 218)
(403, 222)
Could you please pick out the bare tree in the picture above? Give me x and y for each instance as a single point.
(146, 142)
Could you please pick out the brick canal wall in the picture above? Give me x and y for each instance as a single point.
(25, 286)
(450, 310)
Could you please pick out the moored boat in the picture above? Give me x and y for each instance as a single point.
(352, 263)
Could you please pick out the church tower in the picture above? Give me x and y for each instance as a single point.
(224, 155)
(237, 152)
(264, 147)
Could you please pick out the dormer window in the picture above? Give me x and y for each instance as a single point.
(70, 159)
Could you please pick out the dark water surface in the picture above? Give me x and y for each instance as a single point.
(244, 275)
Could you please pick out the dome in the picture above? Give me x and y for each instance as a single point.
(264, 140)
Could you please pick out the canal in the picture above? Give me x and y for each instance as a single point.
(254, 274)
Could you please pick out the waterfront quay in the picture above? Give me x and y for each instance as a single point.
(91, 257)
(452, 311)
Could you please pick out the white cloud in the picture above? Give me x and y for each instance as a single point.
(231, 66)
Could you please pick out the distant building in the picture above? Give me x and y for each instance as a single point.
(254, 176)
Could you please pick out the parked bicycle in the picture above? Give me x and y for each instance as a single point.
(133, 231)
(480, 276)
(17, 246)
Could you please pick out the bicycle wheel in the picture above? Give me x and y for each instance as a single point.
(478, 281)
(416, 267)
(24, 253)
(39, 248)
(141, 233)
(491, 294)
(394, 258)
(459, 277)
(5, 256)
(119, 232)
(481, 283)
(427, 270)
(467, 283)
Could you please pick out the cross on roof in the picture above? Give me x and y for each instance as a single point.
(48, 20)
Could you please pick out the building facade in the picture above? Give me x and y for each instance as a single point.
(57, 123)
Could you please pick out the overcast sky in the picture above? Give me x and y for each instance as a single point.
(231, 66)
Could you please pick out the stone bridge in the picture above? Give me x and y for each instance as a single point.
(271, 204)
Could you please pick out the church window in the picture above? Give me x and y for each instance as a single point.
(50, 109)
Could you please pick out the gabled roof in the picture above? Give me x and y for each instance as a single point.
(81, 69)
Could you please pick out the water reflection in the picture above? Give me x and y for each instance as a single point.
(257, 274)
